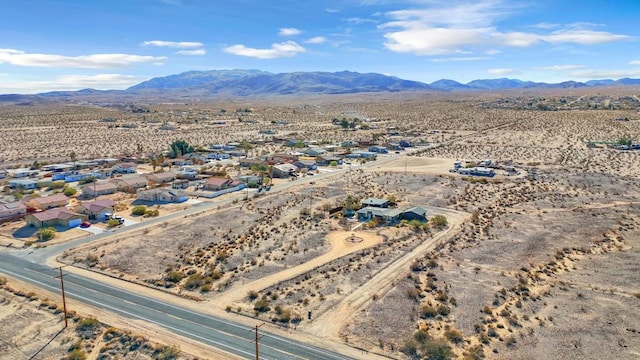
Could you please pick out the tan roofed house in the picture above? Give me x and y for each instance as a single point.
(99, 188)
(50, 202)
(96, 210)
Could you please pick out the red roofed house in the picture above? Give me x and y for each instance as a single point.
(55, 217)
(96, 210)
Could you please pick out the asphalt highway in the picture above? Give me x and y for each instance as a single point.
(216, 332)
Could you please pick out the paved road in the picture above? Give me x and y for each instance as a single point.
(216, 332)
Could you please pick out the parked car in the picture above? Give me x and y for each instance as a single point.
(85, 224)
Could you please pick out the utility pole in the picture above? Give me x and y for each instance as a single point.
(64, 301)
(256, 341)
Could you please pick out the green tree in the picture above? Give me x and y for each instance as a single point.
(73, 157)
(179, 148)
(46, 234)
(87, 180)
(69, 191)
(139, 210)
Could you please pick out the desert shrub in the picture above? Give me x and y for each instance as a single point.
(443, 310)
(57, 185)
(215, 274)
(428, 311)
(87, 323)
(46, 234)
(87, 180)
(112, 223)
(69, 191)
(168, 353)
(252, 295)
(174, 276)
(151, 212)
(474, 353)
(77, 354)
(261, 305)
(3, 281)
(439, 221)
(139, 210)
(454, 336)
(194, 281)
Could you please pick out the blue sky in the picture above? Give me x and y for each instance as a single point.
(112, 44)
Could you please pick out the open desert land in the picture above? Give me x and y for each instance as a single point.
(541, 265)
(33, 327)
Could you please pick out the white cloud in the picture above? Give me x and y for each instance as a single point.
(502, 72)
(458, 26)
(634, 62)
(289, 32)
(173, 44)
(71, 82)
(197, 52)
(605, 74)
(455, 59)
(332, 10)
(284, 49)
(583, 37)
(95, 61)
(317, 40)
(560, 67)
(357, 20)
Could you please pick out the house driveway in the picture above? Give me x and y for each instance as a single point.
(93, 229)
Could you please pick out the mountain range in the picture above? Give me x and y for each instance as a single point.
(247, 83)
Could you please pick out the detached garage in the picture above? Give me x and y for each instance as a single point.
(55, 217)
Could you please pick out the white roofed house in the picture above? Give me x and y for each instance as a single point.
(163, 195)
(283, 170)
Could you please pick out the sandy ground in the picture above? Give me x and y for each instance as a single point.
(340, 246)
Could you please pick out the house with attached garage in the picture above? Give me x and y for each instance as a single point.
(124, 168)
(163, 195)
(374, 202)
(96, 210)
(283, 170)
(55, 217)
(390, 216)
(219, 183)
(161, 178)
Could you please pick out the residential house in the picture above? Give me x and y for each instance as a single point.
(281, 158)
(406, 143)
(363, 155)
(49, 202)
(251, 179)
(325, 160)
(124, 168)
(180, 162)
(381, 215)
(99, 188)
(55, 217)
(96, 210)
(218, 183)
(283, 170)
(313, 151)
(349, 144)
(163, 195)
(180, 184)
(378, 149)
(12, 210)
(130, 184)
(306, 164)
(187, 173)
(161, 178)
(414, 213)
(23, 173)
(23, 184)
(57, 168)
(391, 216)
(373, 202)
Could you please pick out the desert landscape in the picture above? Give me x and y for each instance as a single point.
(539, 264)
